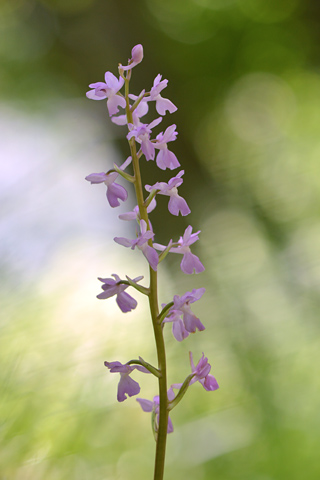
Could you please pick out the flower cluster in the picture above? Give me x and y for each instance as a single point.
(199, 373)
(128, 109)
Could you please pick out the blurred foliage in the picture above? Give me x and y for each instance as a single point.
(245, 76)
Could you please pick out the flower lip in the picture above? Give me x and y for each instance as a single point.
(126, 384)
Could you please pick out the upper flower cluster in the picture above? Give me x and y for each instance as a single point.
(128, 109)
(153, 148)
(110, 90)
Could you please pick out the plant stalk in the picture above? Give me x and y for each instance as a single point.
(161, 438)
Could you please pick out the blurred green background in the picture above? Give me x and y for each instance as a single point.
(245, 77)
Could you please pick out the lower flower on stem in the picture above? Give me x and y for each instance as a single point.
(153, 407)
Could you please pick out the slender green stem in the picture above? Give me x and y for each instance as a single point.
(163, 399)
(154, 310)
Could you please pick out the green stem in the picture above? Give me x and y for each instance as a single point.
(154, 310)
(163, 399)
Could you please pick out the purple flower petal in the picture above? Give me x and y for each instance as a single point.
(178, 205)
(167, 159)
(99, 91)
(190, 263)
(151, 255)
(191, 322)
(158, 86)
(114, 101)
(170, 426)
(113, 83)
(95, 178)
(125, 302)
(125, 242)
(179, 331)
(146, 405)
(147, 148)
(116, 367)
(119, 120)
(128, 216)
(116, 192)
(127, 385)
(163, 104)
(210, 383)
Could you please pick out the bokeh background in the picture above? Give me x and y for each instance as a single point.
(245, 77)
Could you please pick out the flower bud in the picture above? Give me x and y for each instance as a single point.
(137, 53)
